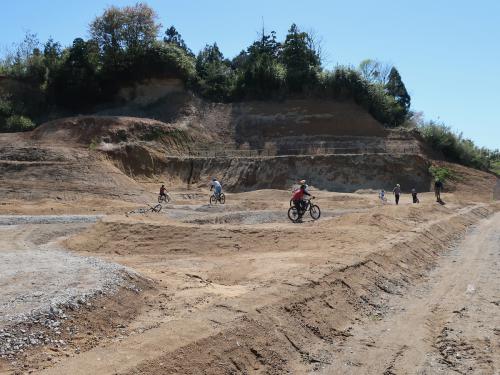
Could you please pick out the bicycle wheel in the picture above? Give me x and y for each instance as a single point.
(222, 198)
(213, 199)
(315, 212)
(156, 208)
(167, 198)
(293, 214)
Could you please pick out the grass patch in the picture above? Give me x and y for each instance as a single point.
(495, 167)
(157, 134)
(441, 173)
(94, 143)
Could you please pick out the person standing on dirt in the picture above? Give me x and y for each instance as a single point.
(217, 186)
(438, 187)
(396, 191)
(381, 196)
(163, 191)
(414, 196)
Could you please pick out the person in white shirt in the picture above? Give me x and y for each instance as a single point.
(216, 185)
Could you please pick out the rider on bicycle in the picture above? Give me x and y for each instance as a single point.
(216, 185)
(298, 198)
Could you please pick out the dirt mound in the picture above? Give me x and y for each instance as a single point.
(86, 130)
(110, 156)
(473, 184)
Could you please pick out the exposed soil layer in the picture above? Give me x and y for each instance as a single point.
(329, 172)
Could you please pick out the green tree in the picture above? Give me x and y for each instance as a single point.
(128, 28)
(53, 58)
(374, 71)
(261, 73)
(52, 52)
(166, 60)
(35, 71)
(76, 83)
(396, 88)
(301, 61)
(216, 77)
(172, 36)
(123, 35)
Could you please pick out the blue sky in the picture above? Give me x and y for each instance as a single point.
(447, 51)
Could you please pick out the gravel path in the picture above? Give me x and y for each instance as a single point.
(47, 219)
(32, 281)
(38, 280)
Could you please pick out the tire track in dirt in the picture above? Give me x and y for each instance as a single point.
(447, 325)
(297, 328)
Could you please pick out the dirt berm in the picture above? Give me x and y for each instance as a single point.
(247, 299)
(302, 332)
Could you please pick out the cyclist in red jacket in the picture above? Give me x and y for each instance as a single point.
(298, 198)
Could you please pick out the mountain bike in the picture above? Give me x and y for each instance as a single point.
(144, 210)
(294, 215)
(217, 198)
(164, 198)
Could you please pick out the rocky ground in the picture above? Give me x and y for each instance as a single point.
(41, 283)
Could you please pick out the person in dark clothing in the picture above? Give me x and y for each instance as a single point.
(438, 187)
(414, 196)
(163, 191)
(396, 191)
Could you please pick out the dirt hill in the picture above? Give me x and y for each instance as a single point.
(225, 289)
(337, 146)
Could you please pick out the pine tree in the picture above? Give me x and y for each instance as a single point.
(396, 88)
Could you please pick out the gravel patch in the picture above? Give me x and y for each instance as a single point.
(47, 219)
(38, 283)
(36, 287)
(243, 217)
(256, 217)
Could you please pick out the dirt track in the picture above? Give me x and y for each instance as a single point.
(448, 324)
(233, 292)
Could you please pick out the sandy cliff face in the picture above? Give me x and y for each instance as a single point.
(336, 146)
(345, 173)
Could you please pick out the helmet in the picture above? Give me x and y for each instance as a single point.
(302, 182)
(398, 185)
(214, 179)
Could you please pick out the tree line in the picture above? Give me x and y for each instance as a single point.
(38, 81)
(125, 46)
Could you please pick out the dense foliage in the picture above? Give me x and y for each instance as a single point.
(455, 148)
(125, 48)
(442, 174)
